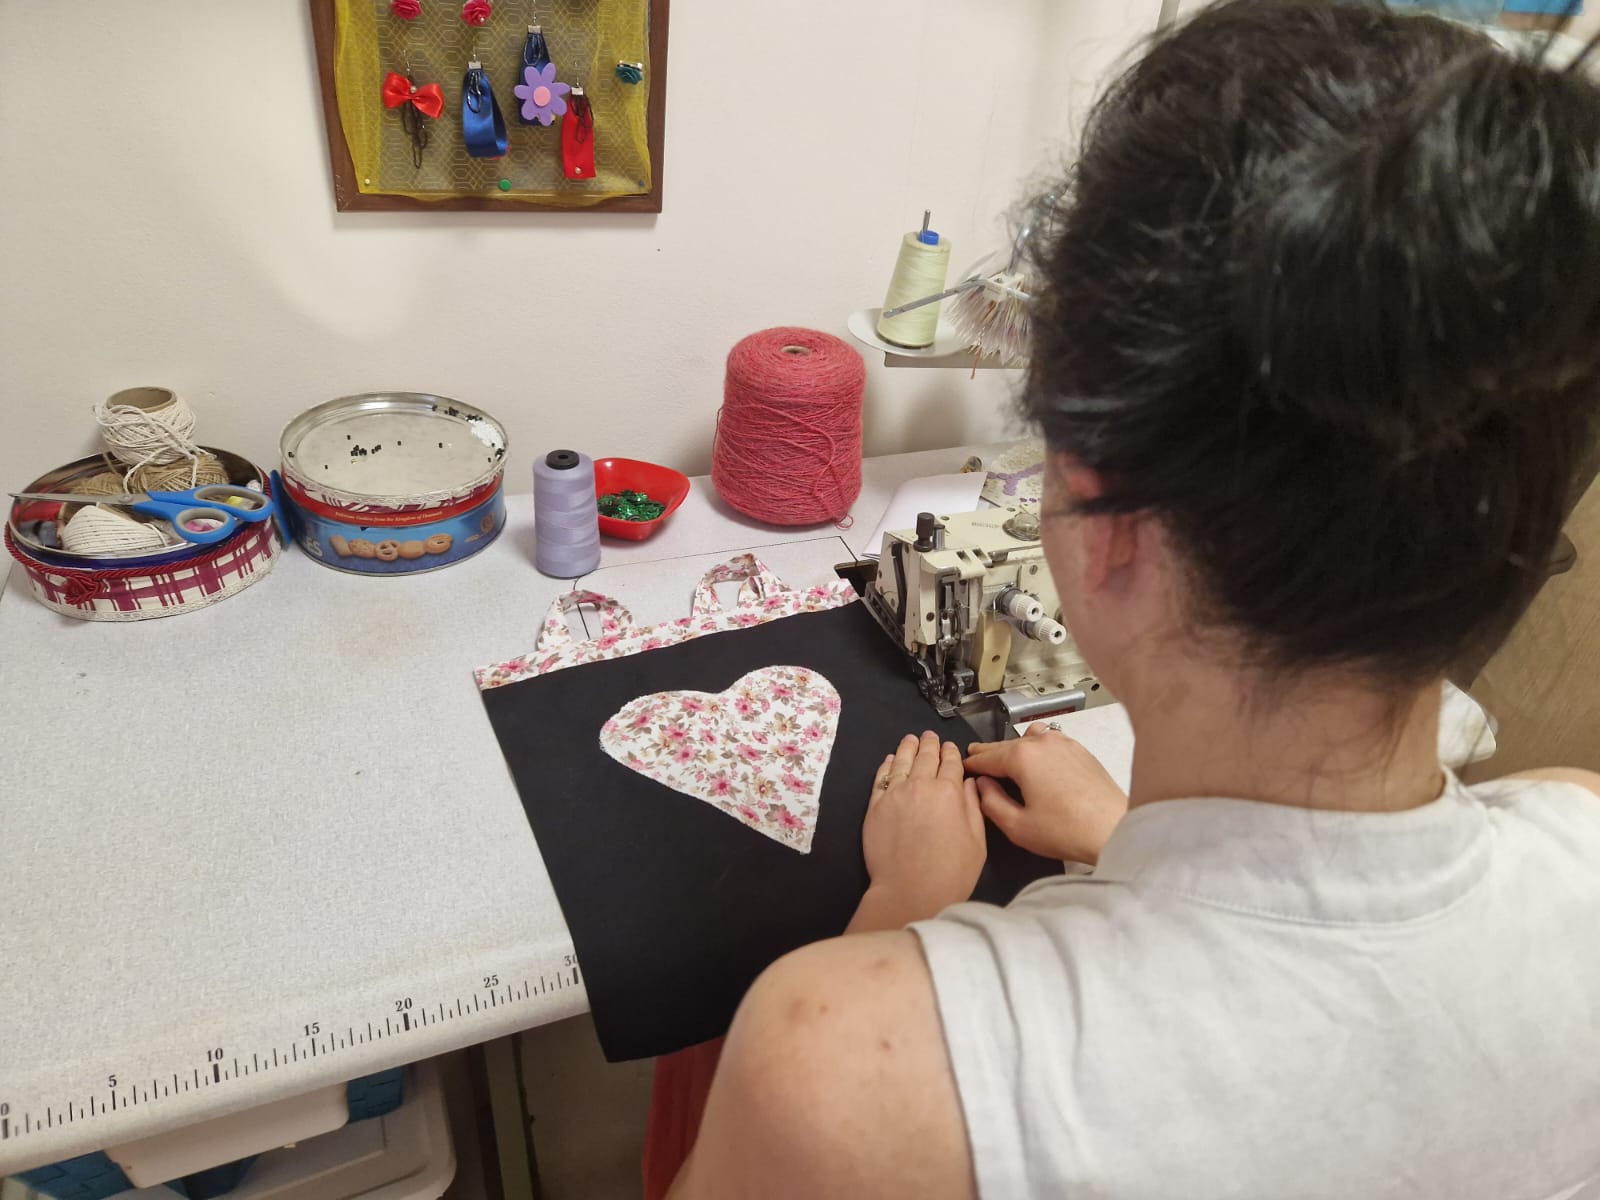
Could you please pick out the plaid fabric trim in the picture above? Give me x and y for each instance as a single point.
(130, 594)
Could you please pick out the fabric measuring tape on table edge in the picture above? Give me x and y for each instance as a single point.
(122, 1095)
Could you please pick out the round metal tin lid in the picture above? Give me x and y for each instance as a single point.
(400, 448)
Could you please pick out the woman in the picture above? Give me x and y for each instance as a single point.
(1318, 360)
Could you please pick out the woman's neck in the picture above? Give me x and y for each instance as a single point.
(1329, 743)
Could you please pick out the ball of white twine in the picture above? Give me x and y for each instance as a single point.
(107, 533)
(148, 427)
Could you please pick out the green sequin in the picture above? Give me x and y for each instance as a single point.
(630, 506)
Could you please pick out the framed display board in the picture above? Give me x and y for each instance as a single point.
(406, 88)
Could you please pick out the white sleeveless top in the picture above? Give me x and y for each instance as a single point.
(1253, 1002)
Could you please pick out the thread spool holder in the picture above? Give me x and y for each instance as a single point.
(946, 351)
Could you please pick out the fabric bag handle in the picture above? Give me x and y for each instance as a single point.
(757, 582)
(556, 632)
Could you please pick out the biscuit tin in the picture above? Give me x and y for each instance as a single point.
(393, 483)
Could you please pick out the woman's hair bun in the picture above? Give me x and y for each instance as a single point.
(1324, 301)
(1417, 276)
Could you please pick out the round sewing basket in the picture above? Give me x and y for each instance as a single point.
(156, 583)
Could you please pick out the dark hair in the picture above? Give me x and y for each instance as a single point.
(1324, 296)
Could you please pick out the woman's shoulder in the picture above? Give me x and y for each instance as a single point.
(836, 1070)
(1584, 779)
(1558, 805)
(1567, 787)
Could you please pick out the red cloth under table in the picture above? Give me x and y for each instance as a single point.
(677, 1102)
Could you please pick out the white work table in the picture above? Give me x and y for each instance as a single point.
(272, 845)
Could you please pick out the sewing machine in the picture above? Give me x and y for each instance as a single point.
(970, 599)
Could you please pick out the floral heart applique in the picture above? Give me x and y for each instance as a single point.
(757, 751)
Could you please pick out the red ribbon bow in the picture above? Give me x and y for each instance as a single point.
(398, 90)
(82, 588)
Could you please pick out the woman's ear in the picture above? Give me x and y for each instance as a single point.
(1108, 542)
(1079, 482)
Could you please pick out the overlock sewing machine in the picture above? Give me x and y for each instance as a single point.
(970, 599)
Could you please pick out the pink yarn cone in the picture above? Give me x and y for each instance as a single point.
(788, 447)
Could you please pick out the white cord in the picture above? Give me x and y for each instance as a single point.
(104, 532)
(155, 436)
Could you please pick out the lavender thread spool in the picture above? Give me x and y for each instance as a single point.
(566, 520)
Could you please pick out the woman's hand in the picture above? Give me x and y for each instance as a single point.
(923, 836)
(1069, 804)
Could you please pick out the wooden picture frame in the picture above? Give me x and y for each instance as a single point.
(348, 197)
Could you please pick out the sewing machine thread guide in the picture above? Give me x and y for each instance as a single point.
(23, 1120)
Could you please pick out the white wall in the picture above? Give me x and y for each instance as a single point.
(167, 219)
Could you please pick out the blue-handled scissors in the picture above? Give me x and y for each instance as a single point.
(223, 503)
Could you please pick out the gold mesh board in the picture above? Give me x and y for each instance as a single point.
(586, 40)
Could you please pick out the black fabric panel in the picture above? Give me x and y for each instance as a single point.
(674, 906)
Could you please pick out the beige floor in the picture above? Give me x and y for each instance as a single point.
(586, 1118)
(587, 1115)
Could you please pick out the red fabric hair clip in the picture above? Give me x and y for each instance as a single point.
(577, 137)
(398, 90)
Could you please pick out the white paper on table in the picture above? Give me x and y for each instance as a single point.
(933, 493)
